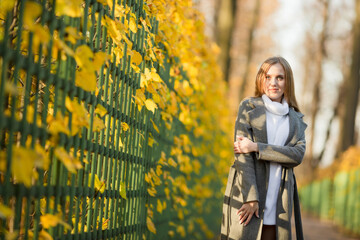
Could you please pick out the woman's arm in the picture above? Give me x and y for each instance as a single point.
(287, 156)
(244, 163)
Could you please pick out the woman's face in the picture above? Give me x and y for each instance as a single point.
(274, 82)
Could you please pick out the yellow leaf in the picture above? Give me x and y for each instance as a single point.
(150, 225)
(154, 76)
(42, 160)
(136, 68)
(159, 170)
(113, 30)
(132, 25)
(152, 191)
(171, 233)
(5, 211)
(123, 190)
(120, 143)
(83, 56)
(136, 57)
(99, 59)
(151, 141)
(124, 126)
(11, 89)
(160, 206)
(147, 178)
(23, 163)
(80, 115)
(105, 224)
(86, 80)
(71, 8)
(32, 12)
(11, 235)
(181, 231)
(100, 110)
(155, 127)
(72, 34)
(106, 3)
(49, 220)
(167, 192)
(6, 6)
(172, 162)
(98, 185)
(98, 124)
(140, 94)
(150, 105)
(70, 162)
(45, 235)
(143, 81)
(41, 35)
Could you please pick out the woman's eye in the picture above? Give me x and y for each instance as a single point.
(267, 77)
(280, 78)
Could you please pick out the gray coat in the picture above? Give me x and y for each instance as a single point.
(248, 177)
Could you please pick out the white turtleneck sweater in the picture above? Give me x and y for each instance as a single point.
(277, 125)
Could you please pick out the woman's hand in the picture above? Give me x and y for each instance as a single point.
(245, 145)
(247, 210)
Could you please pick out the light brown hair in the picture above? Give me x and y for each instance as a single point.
(289, 92)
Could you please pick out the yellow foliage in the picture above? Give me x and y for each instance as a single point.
(70, 162)
(160, 206)
(89, 63)
(72, 35)
(181, 230)
(98, 124)
(23, 164)
(123, 190)
(150, 105)
(6, 6)
(5, 211)
(31, 13)
(49, 220)
(98, 185)
(71, 8)
(151, 191)
(150, 225)
(124, 126)
(57, 124)
(100, 110)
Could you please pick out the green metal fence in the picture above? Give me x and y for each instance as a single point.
(80, 144)
(335, 199)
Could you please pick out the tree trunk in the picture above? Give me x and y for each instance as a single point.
(250, 46)
(318, 78)
(350, 97)
(224, 31)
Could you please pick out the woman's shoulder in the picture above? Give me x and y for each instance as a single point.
(251, 102)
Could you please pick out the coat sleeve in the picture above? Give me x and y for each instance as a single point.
(288, 156)
(244, 163)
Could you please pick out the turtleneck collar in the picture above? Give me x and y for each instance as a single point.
(275, 107)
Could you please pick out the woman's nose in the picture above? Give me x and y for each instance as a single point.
(273, 81)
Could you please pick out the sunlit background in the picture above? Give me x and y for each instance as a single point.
(321, 41)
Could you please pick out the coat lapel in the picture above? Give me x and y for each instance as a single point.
(257, 119)
(296, 126)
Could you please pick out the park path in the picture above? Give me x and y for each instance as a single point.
(315, 229)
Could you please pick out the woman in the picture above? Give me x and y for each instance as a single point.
(269, 143)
